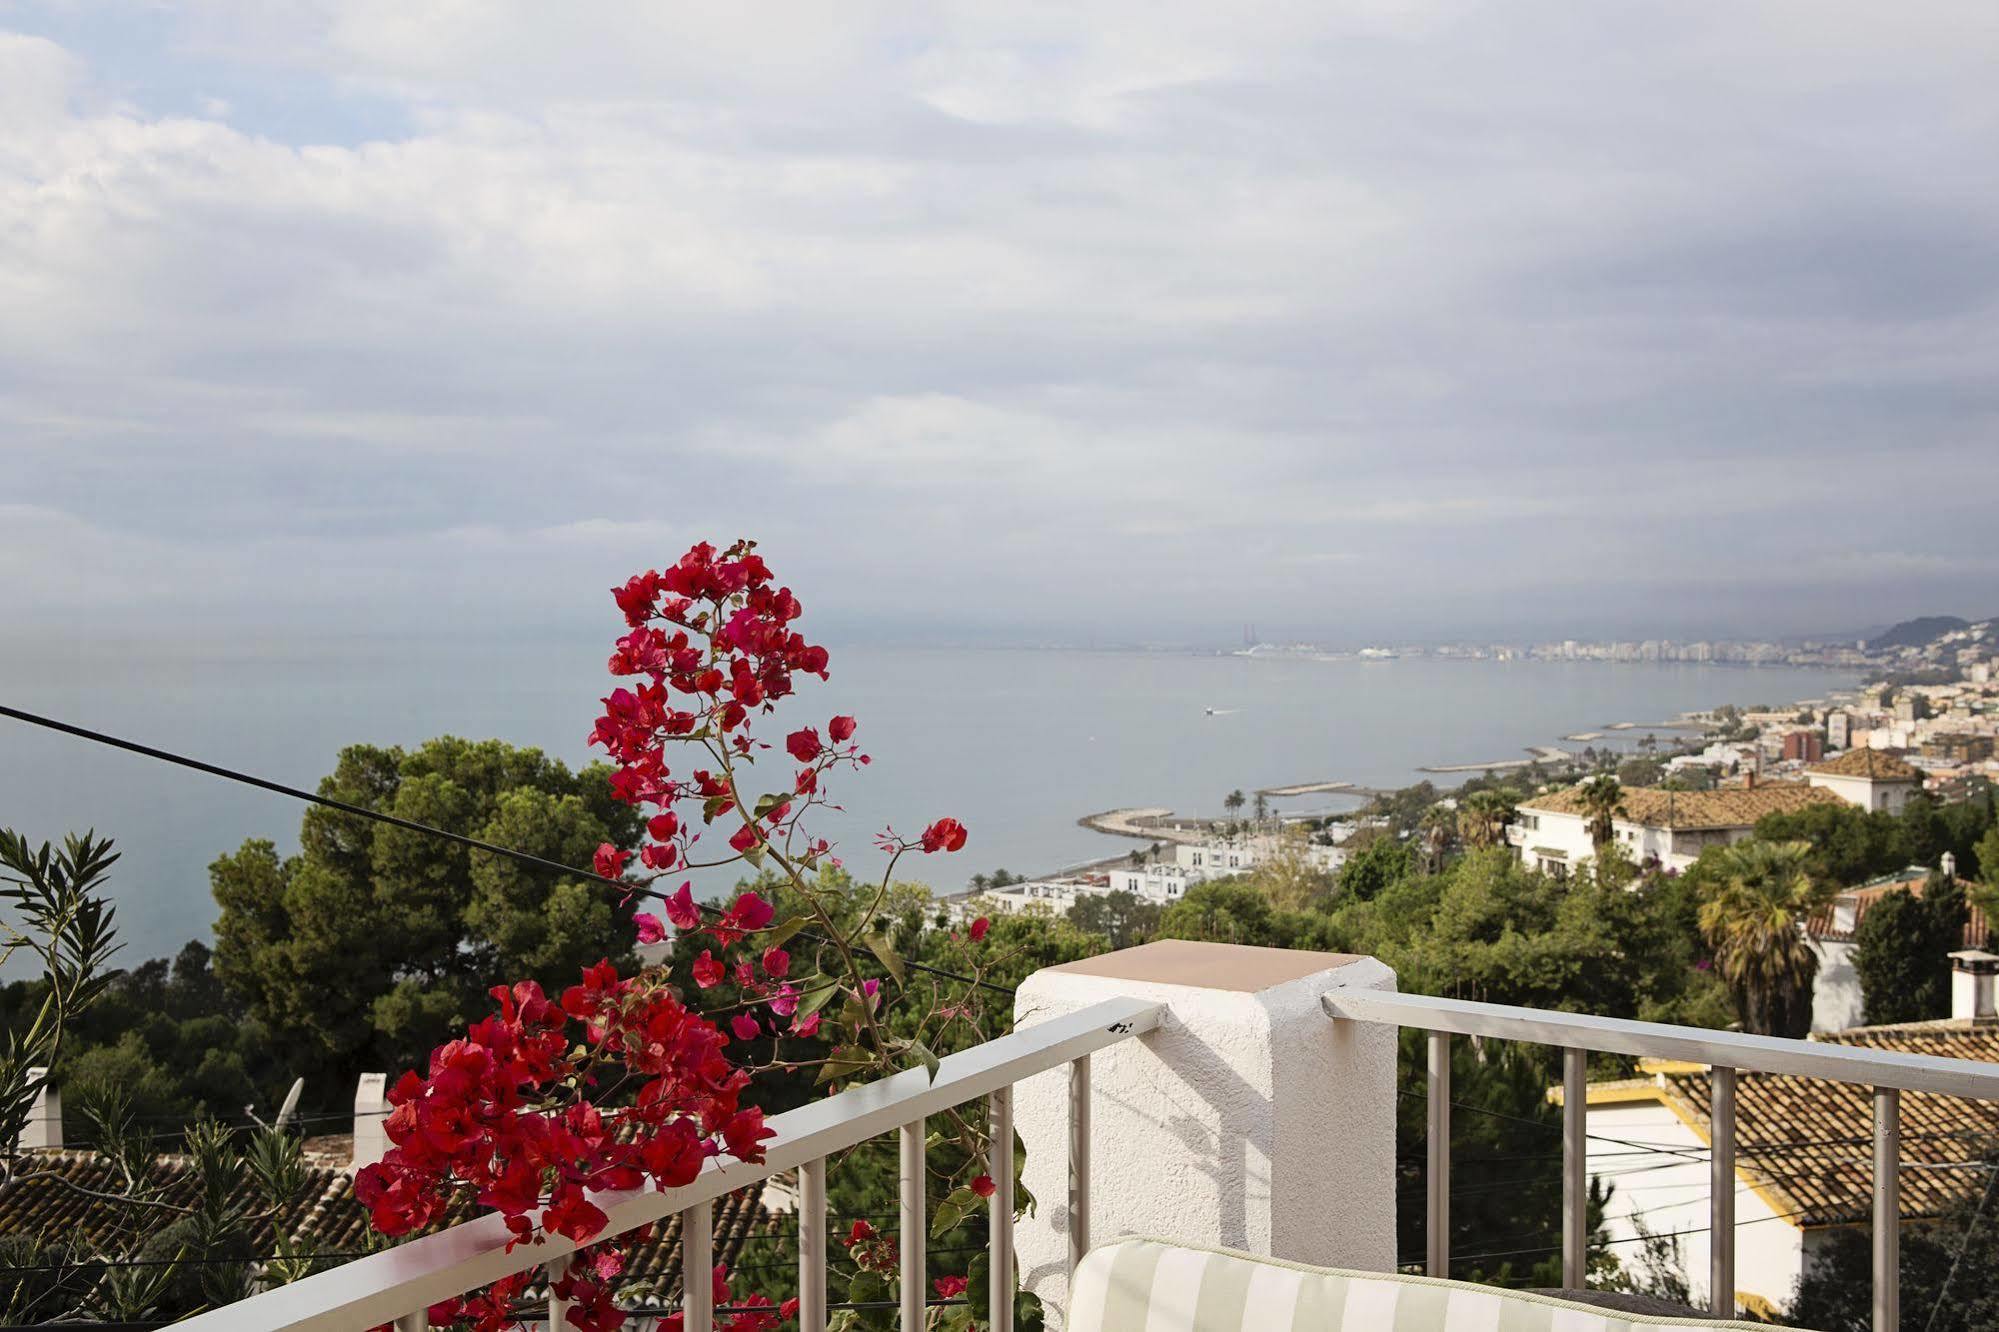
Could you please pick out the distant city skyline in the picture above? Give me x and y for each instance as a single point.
(997, 324)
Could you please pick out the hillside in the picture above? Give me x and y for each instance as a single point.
(1919, 632)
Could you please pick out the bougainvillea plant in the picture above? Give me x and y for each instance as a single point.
(622, 1080)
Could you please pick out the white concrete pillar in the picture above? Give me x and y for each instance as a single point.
(1250, 1120)
(44, 1127)
(371, 1114)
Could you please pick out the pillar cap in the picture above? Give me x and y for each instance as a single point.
(1242, 968)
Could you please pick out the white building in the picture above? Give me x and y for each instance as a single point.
(1837, 1002)
(1551, 832)
(1649, 1140)
(1869, 778)
(1162, 882)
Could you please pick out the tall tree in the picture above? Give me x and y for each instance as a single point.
(1901, 953)
(1233, 802)
(1603, 803)
(1482, 818)
(375, 941)
(1752, 913)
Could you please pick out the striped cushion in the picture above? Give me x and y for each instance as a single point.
(1139, 1285)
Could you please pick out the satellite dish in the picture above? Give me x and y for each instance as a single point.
(290, 1107)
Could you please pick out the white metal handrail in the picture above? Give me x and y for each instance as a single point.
(398, 1284)
(1888, 1072)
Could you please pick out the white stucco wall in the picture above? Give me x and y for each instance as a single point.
(1864, 791)
(1670, 1193)
(1836, 998)
(1249, 1120)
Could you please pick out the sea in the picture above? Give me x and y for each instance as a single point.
(1018, 744)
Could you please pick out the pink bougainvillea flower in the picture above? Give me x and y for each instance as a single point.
(841, 729)
(803, 745)
(949, 1287)
(984, 1186)
(651, 931)
(707, 971)
(786, 1001)
(680, 909)
(610, 862)
(776, 963)
(745, 1027)
(979, 928)
(943, 835)
(807, 1025)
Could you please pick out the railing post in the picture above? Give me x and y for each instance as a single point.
(1721, 1191)
(558, 1308)
(1079, 1162)
(999, 1211)
(1575, 1169)
(1438, 1174)
(1887, 1209)
(1248, 1119)
(812, 1246)
(914, 1230)
(697, 1267)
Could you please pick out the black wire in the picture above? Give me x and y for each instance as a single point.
(362, 811)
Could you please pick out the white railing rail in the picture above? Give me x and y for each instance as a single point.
(397, 1285)
(1888, 1072)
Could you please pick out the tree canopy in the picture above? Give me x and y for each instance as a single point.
(374, 939)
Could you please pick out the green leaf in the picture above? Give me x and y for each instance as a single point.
(780, 934)
(886, 955)
(815, 1000)
(770, 801)
(841, 1064)
(923, 1052)
(951, 1212)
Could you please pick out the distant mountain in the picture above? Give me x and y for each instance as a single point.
(1919, 632)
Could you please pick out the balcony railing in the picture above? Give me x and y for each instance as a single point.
(1888, 1073)
(398, 1285)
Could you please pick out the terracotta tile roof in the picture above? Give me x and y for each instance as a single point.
(1732, 807)
(327, 1219)
(1808, 1143)
(1977, 929)
(1876, 764)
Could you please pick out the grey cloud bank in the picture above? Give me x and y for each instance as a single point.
(1013, 321)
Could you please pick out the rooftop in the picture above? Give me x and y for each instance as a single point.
(1805, 1142)
(1824, 923)
(1874, 764)
(74, 1194)
(1734, 807)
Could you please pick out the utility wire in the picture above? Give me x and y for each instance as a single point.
(362, 811)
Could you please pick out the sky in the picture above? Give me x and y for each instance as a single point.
(1015, 322)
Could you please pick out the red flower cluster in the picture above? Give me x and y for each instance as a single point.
(502, 1119)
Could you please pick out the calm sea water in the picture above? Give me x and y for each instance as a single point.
(1017, 744)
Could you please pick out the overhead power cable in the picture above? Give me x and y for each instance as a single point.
(394, 820)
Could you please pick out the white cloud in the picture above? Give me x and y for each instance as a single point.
(1191, 297)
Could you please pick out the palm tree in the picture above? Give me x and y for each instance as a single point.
(1603, 801)
(1262, 807)
(1435, 826)
(1483, 817)
(1754, 918)
(1233, 803)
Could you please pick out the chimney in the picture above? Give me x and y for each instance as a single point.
(1972, 972)
(44, 1126)
(371, 1113)
(1749, 780)
(1948, 865)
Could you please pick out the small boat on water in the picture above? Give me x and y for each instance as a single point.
(1211, 712)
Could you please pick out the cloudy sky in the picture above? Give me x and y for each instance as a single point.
(1121, 321)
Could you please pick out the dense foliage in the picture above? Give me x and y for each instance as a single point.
(1900, 953)
(375, 938)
